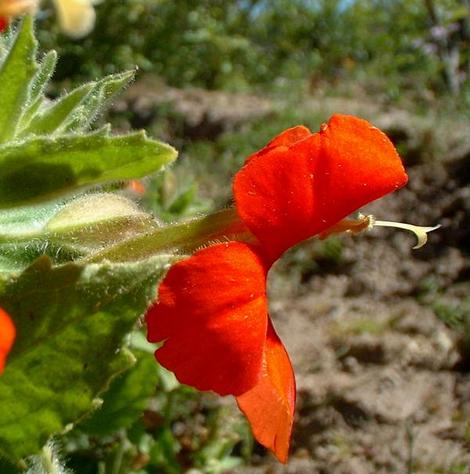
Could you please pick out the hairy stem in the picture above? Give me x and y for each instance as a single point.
(183, 237)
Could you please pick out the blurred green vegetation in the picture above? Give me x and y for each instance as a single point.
(392, 45)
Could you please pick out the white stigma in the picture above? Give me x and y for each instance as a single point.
(421, 232)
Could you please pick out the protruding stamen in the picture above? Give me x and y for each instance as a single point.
(355, 226)
(420, 231)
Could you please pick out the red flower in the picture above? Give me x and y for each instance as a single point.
(7, 336)
(212, 311)
(303, 183)
(3, 23)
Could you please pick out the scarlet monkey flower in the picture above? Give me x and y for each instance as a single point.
(212, 311)
(7, 337)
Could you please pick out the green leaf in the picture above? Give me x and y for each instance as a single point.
(26, 220)
(97, 99)
(43, 76)
(57, 115)
(20, 229)
(16, 74)
(38, 88)
(125, 400)
(43, 168)
(7, 38)
(76, 111)
(70, 322)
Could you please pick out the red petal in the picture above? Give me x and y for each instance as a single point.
(288, 194)
(284, 139)
(290, 136)
(269, 405)
(7, 337)
(3, 23)
(212, 315)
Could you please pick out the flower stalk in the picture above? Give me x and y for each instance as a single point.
(183, 237)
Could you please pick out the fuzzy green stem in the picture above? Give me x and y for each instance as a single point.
(183, 237)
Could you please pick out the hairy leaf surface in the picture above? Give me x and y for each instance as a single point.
(70, 321)
(43, 168)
